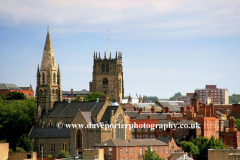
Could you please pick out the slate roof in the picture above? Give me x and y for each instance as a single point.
(195, 94)
(65, 109)
(87, 116)
(165, 122)
(25, 88)
(133, 142)
(9, 86)
(153, 115)
(174, 106)
(50, 133)
(107, 114)
(84, 91)
(132, 114)
(146, 105)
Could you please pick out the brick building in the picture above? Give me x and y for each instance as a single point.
(6, 88)
(73, 94)
(116, 149)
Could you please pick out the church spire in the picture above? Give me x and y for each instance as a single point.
(48, 43)
(59, 76)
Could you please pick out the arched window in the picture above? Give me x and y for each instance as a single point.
(52, 147)
(50, 124)
(105, 83)
(79, 139)
(103, 68)
(41, 92)
(119, 131)
(56, 91)
(43, 78)
(41, 147)
(107, 68)
(54, 78)
(64, 146)
(52, 91)
(45, 92)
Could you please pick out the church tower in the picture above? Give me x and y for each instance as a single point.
(48, 88)
(108, 76)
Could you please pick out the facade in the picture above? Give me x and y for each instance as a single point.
(108, 76)
(186, 99)
(48, 89)
(6, 88)
(116, 149)
(223, 154)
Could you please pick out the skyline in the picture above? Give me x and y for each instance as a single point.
(167, 47)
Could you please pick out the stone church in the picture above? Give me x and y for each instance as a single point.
(51, 132)
(108, 76)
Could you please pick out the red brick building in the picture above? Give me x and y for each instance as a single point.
(133, 149)
(6, 88)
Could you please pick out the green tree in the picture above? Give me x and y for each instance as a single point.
(25, 143)
(15, 96)
(151, 155)
(63, 154)
(16, 119)
(176, 95)
(94, 95)
(237, 122)
(190, 148)
(77, 98)
(204, 144)
(234, 98)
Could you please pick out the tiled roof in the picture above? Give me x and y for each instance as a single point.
(50, 133)
(107, 114)
(132, 114)
(65, 109)
(25, 88)
(87, 116)
(153, 115)
(174, 106)
(9, 86)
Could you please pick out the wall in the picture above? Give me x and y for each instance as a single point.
(4, 148)
(22, 155)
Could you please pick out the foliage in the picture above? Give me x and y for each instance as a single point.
(3, 141)
(77, 98)
(176, 95)
(25, 142)
(151, 98)
(151, 155)
(20, 149)
(94, 95)
(234, 98)
(204, 144)
(15, 96)
(16, 119)
(190, 148)
(237, 122)
(63, 154)
(10, 150)
(49, 156)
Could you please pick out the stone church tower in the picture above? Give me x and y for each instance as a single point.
(108, 76)
(48, 88)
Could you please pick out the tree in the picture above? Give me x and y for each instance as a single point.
(15, 96)
(190, 148)
(176, 95)
(237, 122)
(204, 144)
(25, 143)
(63, 154)
(16, 119)
(234, 98)
(94, 95)
(77, 98)
(151, 155)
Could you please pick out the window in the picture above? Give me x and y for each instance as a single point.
(107, 68)
(139, 129)
(54, 78)
(132, 150)
(140, 150)
(167, 150)
(64, 146)
(52, 147)
(145, 136)
(168, 129)
(41, 92)
(152, 136)
(152, 129)
(184, 130)
(43, 78)
(145, 129)
(176, 129)
(133, 129)
(139, 136)
(52, 91)
(162, 149)
(79, 138)
(120, 151)
(110, 150)
(133, 136)
(103, 68)
(105, 83)
(127, 151)
(41, 147)
(157, 149)
(160, 130)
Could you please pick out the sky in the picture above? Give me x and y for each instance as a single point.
(167, 46)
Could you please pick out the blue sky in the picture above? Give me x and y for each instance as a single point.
(168, 46)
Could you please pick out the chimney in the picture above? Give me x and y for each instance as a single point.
(140, 111)
(182, 110)
(144, 109)
(71, 92)
(169, 117)
(166, 109)
(153, 110)
(135, 109)
(148, 117)
(231, 124)
(103, 98)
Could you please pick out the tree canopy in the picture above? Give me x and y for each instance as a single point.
(151, 155)
(190, 148)
(234, 98)
(15, 96)
(16, 120)
(63, 154)
(176, 95)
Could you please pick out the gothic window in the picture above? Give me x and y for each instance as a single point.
(103, 68)
(52, 147)
(56, 91)
(54, 78)
(41, 147)
(50, 124)
(52, 91)
(43, 78)
(119, 130)
(107, 68)
(105, 83)
(79, 139)
(64, 146)
(45, 92)
(41, 92)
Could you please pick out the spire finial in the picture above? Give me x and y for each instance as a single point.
(108, 43)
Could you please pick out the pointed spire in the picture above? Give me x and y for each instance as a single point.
(48, 43)
(104, 55)
(94, 55)
(110, 56)
(116, 54)
(38, 72)
(195, 95)
(58, 73)
(99, 56)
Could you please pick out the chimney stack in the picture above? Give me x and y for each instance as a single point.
(71, 92)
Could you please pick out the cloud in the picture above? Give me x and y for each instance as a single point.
(153, 18)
